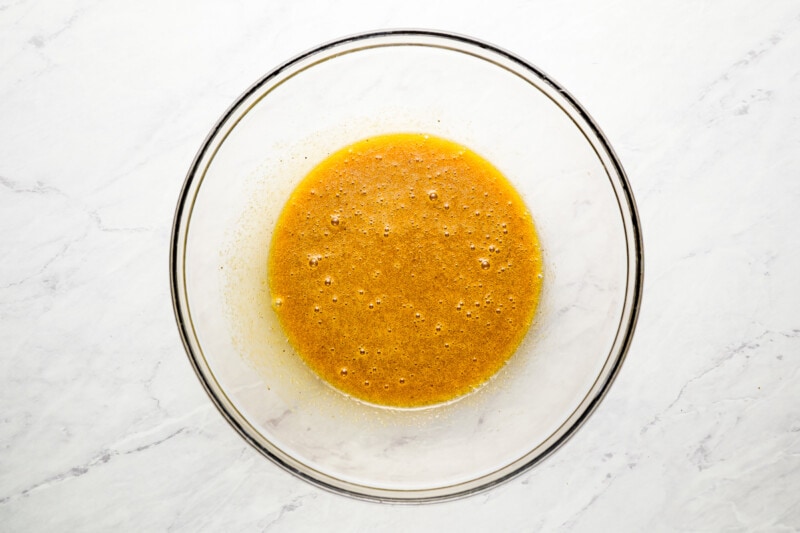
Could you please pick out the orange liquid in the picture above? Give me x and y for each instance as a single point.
(405, 270)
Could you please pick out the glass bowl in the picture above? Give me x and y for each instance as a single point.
(479, 96)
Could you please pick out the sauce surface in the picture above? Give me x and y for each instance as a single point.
(405, 270)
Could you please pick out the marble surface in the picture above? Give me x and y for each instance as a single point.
(103, 424)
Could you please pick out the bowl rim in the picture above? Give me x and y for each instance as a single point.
(624, 336)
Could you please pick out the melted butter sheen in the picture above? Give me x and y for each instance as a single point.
(405, 270)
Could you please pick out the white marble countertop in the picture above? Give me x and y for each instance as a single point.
(103, 424)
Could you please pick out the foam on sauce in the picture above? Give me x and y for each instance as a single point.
(405, 270)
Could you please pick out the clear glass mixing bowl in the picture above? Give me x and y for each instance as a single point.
(472, 93)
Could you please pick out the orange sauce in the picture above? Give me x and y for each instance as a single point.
(405, 270)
